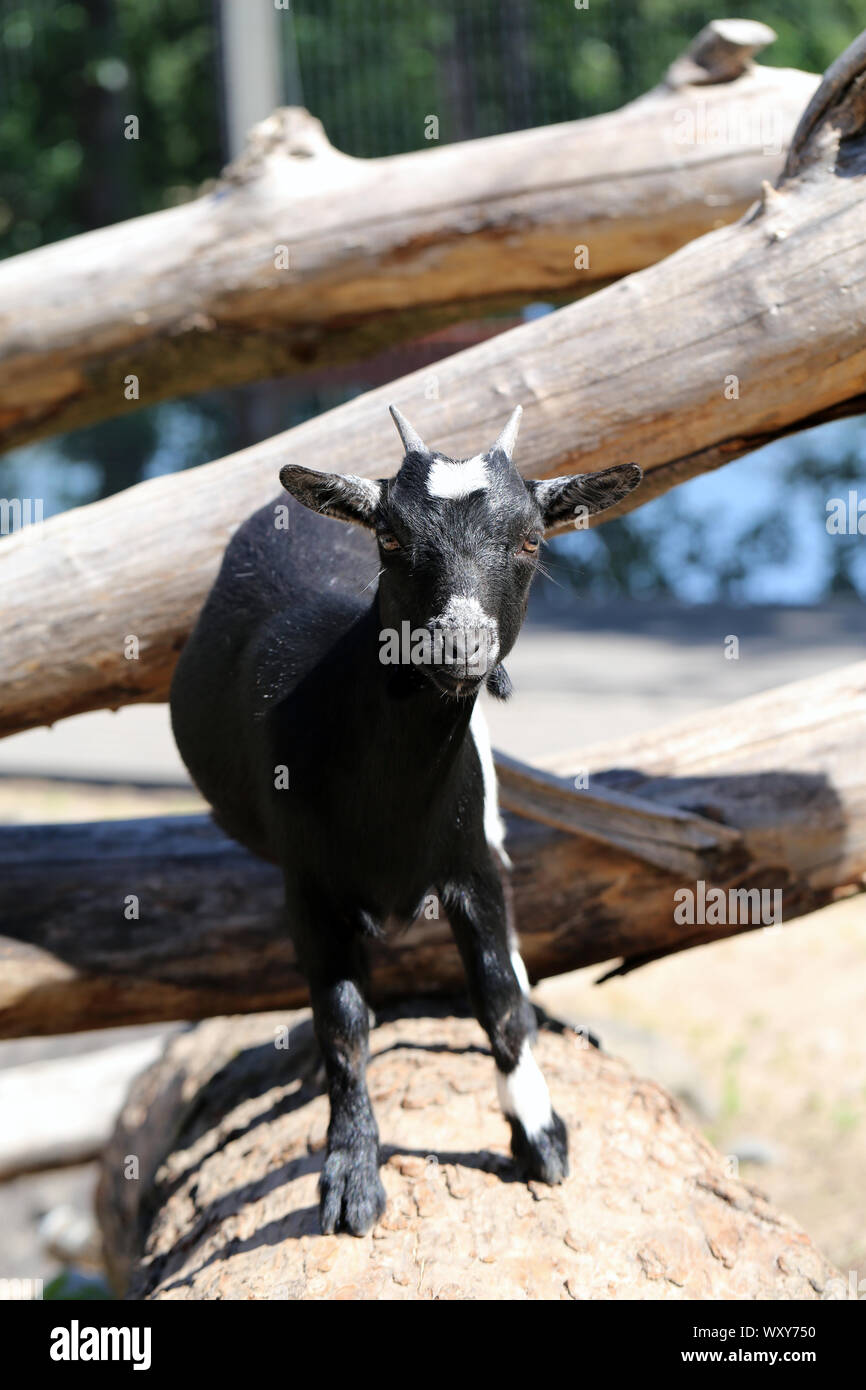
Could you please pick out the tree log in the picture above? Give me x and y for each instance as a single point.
(751, 332)
(229, 1133)
(62, 1110)
(139, 921)
(377, 250)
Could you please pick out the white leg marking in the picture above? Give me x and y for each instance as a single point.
(520, 970)
(450, 480)
(523, 1094)
(494, 828)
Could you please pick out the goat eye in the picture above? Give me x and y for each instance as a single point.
(387, 541)
(530, 545)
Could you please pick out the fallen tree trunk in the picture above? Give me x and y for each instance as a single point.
(229, 1136)
(301, 256)
(131, 922)
(745, 335)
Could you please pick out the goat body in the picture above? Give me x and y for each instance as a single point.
(370, 783)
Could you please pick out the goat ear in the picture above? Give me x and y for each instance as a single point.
(342, 495)
(583, 494)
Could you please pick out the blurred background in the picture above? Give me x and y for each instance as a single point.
(628, 631)
(371, 72)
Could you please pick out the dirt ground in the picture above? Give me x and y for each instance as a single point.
(759, 1036)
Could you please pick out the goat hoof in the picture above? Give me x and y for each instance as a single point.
(544, 1156)
(351, 1195)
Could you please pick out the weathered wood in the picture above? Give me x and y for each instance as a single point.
(229, 1132)
(377, 250)
(720, 53)
(63, 1110)
(209, 937)
(751, 332)
(679, 841)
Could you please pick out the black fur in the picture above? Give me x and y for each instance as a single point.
(385, 799)
(499, 683)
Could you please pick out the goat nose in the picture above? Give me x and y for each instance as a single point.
(462, 648)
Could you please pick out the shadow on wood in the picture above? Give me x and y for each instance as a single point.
(136, 921)
(229, 1130)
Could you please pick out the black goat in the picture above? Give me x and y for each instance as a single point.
(334, 728)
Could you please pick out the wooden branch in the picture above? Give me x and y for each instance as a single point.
(835, 114)
(671, 839)
(721, 52)
(130, 922)
(374, 251)
(745, 335)
(229, 1135)
(63, 1110)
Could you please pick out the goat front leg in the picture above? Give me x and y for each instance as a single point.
(351, 1196)
(477, 911)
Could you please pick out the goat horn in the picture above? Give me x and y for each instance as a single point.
(508, 437)
(412, 441)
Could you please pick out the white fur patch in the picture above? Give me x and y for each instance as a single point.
(465, 612)
(494, 828)
(369, 486)
(473, 632)
(520, 970)
(523, 1094)
(447, 479)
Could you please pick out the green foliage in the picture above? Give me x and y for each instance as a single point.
(497, 65)
(72, 1286)
(70, 74)
(174, 87)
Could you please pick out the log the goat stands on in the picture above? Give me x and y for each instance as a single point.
(229, 1132)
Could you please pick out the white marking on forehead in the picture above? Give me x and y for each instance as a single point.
(447, 479)
(523, 1093)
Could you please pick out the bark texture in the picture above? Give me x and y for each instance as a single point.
(229, 1133)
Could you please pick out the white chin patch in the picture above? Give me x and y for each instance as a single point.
(523, 1094)
(450, 480)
